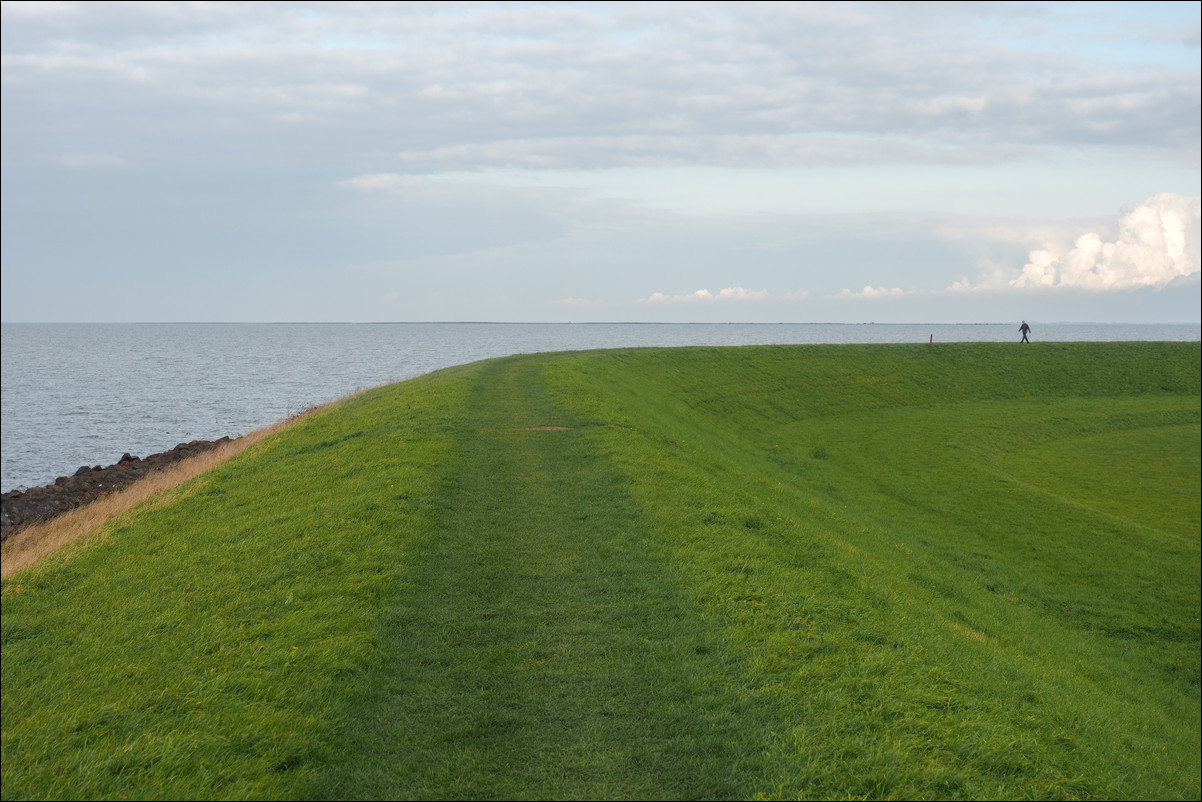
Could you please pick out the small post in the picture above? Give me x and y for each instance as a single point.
(932, 342)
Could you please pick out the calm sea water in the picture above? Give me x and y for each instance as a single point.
(83, 394)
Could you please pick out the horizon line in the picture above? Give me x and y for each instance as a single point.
(573, 323)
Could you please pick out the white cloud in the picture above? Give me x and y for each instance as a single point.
(728, 294)
(656, 149)
(872, 292)
(1158, 242)
(588, 86)
(372, 181)
(940, 106)
(595, 151)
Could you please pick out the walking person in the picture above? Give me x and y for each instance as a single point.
(1024, 328)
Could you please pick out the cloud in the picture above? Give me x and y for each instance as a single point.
(429, 87)
(590, 150)
(705, 296)
(1157, 243)
(377, 181)
(654, 149)
(872, 292)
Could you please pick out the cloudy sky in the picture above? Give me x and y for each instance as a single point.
(893, 162)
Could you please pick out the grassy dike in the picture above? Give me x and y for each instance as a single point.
(819, 571)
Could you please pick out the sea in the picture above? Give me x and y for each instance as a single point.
(84, 394)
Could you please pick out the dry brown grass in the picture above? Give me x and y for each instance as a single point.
(26, 547)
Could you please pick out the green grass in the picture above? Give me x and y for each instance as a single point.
(817, 572)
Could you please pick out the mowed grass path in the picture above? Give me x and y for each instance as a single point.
(540, 649)
(817, 572)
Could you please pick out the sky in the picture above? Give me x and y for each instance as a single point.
(554, 162)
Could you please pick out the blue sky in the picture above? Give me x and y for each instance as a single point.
(769, 162)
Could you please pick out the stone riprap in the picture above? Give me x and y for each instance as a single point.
(20, 508)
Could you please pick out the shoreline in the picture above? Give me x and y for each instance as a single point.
(24, 545)
(22, 508)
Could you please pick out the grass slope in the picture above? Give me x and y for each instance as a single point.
(850, 571)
